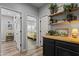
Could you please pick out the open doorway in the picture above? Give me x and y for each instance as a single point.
(31, 32)
(10, 32)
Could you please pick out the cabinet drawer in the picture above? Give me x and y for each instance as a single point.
(65, 52)
(67, 45)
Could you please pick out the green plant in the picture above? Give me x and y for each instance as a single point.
(74, 5)
(68, 9)
(53, 20)
(53, 32)
(70, 17)
(63, 34)
(53, 8)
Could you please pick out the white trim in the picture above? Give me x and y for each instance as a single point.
(0, 31)
(41, 44)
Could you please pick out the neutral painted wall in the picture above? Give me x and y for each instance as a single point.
(25, 9)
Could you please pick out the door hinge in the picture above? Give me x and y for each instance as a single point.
(20, 17)
(40, 41)
(20, 30)
(40, 30)
(20, 45)
(40, 20)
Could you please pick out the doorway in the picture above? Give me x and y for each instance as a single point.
(44, 27)
(31, 32)
(10, 32)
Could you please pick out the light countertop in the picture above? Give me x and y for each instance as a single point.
(62, 38)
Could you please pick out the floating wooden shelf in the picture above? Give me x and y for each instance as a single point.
(66, 22)
(60, 13)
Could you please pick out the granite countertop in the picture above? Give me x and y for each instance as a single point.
(62, 38)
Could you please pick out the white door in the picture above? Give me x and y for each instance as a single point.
(43, 28)
(17, 31)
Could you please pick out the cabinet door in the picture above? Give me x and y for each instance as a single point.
(48, 51)
(48, 47)
(64, 52)
(67, 45)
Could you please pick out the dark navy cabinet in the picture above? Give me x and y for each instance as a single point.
(60, 51)
(48, 47)
(53, 47)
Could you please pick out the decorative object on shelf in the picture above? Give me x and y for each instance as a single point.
(53, 32)
(63, 31)
(53, 8)
(68, 9)
(53, 20)
(74, 32)
(71, 17)
(56, 33)
(63, 34)
(74, 5)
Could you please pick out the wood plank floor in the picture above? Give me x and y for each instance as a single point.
(9, 49)
(34, 52)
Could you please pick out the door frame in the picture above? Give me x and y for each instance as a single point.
(41, 43)
(20, 25)
(36, 29)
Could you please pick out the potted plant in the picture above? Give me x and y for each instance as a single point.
(53, 8)
(68, 9)
(69, 17)
(74, 5)
(51, 20)
(51, 32)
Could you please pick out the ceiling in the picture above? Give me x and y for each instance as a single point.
(37, 5)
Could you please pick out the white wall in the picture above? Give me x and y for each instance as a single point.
(43, 11)
(43, 17)
(25, 9)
